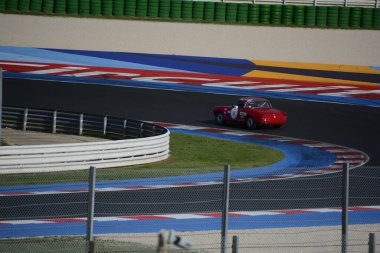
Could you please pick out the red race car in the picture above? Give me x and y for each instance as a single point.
(252, 112)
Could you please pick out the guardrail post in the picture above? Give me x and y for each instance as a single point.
(105, 126)
(141, 129)
(25, 122)
(372, 243)
(345, 192)
(125, 128)
(226, 201)
(54, 128)
(377, 4)
(80, 124)
(235, 244)
(91, 208)
(345, 3)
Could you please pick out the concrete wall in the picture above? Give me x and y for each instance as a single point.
(356, 47)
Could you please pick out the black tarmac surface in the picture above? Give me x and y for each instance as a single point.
(351, 126)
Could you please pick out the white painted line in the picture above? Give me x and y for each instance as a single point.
(54, 71)
(22, 64)
(182, 216)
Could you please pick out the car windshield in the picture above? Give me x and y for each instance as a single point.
(259, 104)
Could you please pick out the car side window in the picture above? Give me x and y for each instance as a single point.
(251, 105)
(240, 105)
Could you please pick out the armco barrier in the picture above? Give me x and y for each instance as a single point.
(332, 14)
(132, 142)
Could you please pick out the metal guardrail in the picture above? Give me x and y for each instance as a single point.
(133, 142)
(346, 3)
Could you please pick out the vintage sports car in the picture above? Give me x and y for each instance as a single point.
(252, 112)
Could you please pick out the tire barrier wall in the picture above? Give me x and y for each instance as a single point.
(129, 142)
(200, 11)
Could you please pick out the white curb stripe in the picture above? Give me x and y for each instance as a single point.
(184, 216)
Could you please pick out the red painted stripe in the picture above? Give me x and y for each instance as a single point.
(332, 148)
(349, 153)
(350, 159)
(302, 142)
(218, 215)
(213, 130)
(263, 136)
(165, 124)
(74, 191)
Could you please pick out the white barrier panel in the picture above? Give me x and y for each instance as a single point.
(62, 157)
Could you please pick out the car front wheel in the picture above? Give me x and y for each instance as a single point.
(250, 123)
(219, 118)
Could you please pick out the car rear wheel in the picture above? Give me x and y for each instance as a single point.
(219, 118)
(250, 123)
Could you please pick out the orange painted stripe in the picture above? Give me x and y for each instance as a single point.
(318, 66)
(274, 75)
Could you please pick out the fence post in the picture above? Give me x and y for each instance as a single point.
(377, 4)
(1, 100)
(235, 244)
(80, 124)
(372, 243)
(25, 122)
(54, 130)
(91, 207)
(345, 3)
(345, 196)
(226, 201)
(105, 126)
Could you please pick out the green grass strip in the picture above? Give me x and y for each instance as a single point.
(188, 155)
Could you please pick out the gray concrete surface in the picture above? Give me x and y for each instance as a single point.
(17, 137)
(335, 46)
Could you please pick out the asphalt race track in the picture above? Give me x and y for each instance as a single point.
(347, 125)
(352, 126)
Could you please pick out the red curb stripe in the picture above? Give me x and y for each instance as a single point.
(212, 130)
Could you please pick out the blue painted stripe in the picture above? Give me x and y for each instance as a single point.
(296, 157)
(222, 66)
(204, 89)
(188, 225)
(35, 55)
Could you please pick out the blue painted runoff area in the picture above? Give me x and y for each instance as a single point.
(36, 55)
(188, 225)
(210, 65)
(297, 159)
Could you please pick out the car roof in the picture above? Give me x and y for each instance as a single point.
(252, 99)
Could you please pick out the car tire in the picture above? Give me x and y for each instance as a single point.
(250, 123)
(219, 118)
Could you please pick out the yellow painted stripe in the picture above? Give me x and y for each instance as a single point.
(274, 75)
(318, 66)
